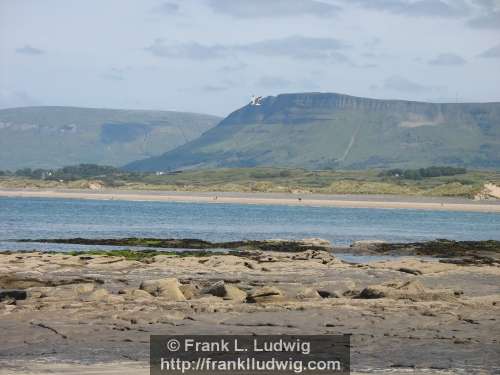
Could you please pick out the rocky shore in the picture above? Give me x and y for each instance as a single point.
(457, 252)
(197, 244)
(448, 251)
(90, 309)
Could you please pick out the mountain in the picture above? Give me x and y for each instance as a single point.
(320, 130)
(49, 137)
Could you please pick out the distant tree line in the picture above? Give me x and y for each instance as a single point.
(70, 173)
(418, 174)
(84, 171)
(110, 174)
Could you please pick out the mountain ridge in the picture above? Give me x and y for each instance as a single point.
(92, 108)
(330, 130)
(55, 136)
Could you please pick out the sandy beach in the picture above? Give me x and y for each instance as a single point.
(351, 201)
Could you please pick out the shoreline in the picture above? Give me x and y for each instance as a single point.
(312, 200)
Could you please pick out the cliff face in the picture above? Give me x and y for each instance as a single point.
(314, 106)
(317, 130)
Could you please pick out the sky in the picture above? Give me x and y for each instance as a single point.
(210, 56)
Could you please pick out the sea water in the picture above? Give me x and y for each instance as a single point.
(35, 218)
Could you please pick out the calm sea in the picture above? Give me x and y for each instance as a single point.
(60, 218)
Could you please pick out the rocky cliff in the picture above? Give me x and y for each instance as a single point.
(327, 130)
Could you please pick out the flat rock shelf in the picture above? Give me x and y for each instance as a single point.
(91, 310)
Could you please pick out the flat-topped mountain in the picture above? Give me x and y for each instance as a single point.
(50, 137)
(325, 130)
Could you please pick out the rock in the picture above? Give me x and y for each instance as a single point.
(35, 293)
(208, 300)
(235, 294)
(335, 289)
(83, 288)
(413, 266)
(140, 294)
(372, 292)
(13, 281)
(308, 293)
(281, 245)
(265, 294)
(324, 256)
(411, 290)
(168, 288)
(351, 293)
(13, 294)
(136, 295)
(189, 290)
(63, 292)
(99, 295)
(443, 248)
(410, 271)
(216, 289)
(112, 298)
(223, 290)
(249, 265)
(364, 246)
(473, 260)
(138, 321)
(328, 294)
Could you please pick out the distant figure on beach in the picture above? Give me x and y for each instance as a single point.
(300, 199)
(215, 198)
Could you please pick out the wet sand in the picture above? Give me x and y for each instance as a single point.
(317, 200)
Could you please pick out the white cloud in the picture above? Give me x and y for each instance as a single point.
(401, 84)
(417, 8)
(29, 50)
(295, 47)
(493, 52)
(447, 59)
(16, 98)
(273, 8)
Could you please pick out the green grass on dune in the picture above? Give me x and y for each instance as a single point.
(303, 181)
(282, 180)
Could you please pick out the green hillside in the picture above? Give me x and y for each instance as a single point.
(316, 130)
(49, 137)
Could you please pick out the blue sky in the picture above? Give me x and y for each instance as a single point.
(209, 56)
